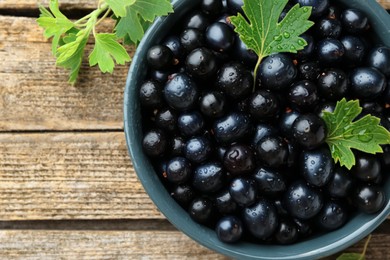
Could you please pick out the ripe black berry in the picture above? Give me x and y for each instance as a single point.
(319, 6)
(155, 143)
(369, 198)
(333, 84)
(261, 219)
(269, 182)
(263, 105)
(379, 58)
(287, 232)
(150, 94)
(220, 37)
(229, 229)
(277, 71)
(181, 92)
(197, 20)
(208, 177)
(224, 203)
(231, 128)
(159, 56)
(332, 216)
(235, 80)
(239, 159)
(243, 191)
(190, 124)
(272, 151)
(179, 170)
(355, 49)
(211, 7)
(201, 63)
(330, 51)
(316, 166)
(301, 201)
(340, 183)
(367, 83)
(354, 21)
(303, 95)
(213, 104)
(198, 149)
(201, 210)
(309, 131)
(191, 39)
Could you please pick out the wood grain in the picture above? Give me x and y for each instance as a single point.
(70, 176)
(26, 244)
(155, 244)
(33, 4)
(35, 95)
(81, 4)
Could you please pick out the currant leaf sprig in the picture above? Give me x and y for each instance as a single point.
(69, 38)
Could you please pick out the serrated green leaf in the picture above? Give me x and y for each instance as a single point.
(138, 17)
(44, 12)
(119, 6)
(73, 63)
(150, 9)
(130, 26)
(351, 256)
(70, 55)
(262, 32)
(344, 133)
(106, 51)
(55, 9)
(54, 23)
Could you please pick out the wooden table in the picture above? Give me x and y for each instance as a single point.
(67, 186)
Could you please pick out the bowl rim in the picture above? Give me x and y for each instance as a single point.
(309, 249)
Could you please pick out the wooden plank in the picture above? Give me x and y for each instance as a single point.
(33, 4)
(52, 244)
(26, 244)
(70, 176)
(35, 94)
(81, 4)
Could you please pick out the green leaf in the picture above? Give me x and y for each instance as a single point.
(130, 26)
(119, 6)
(351, 256)
(54, 23)
(70, 55)
(150, 9)
(44, 12)
(138, 17)
(344, 133)
(106, 50)
(261, 31)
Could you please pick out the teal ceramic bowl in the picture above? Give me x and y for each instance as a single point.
(356, 229)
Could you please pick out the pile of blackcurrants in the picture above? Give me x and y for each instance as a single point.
(249, 159)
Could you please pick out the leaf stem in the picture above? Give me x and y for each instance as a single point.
(83, 19)
(255, 71)
(365, 247)
(104, 16)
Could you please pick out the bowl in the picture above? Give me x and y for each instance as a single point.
(320, 246)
